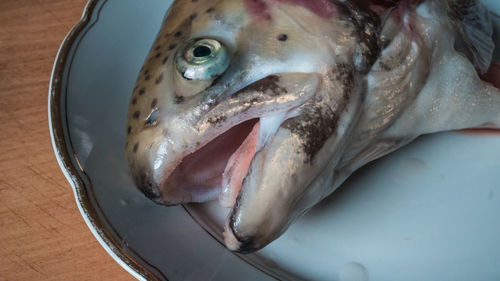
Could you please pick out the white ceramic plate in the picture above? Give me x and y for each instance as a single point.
(430, 211)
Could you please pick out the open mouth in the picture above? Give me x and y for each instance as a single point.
(219, 167)
(216, 169)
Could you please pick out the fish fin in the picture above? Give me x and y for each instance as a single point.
(474, 29)
(453, 98)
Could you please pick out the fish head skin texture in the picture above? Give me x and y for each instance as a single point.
(219, 69)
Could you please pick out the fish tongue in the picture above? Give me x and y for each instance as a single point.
(237, 168)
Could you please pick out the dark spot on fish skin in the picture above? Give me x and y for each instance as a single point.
(136, 147)
(157, 55)
(129, 129)
(250, 104)
(136, 114)
(146, 72)
(154, 103)
(159, 79)
(177, 34)
(193, 16)
(134, 101)
(157, 47)
(194, 0)
(147, 77)
(217, 119)
(255, 100)
(367, 28)
(314, 126)
(282, 37)
(317, 121)
(343, 73)
(165, 60)
(198, 143)
(172, 46)
(210, 10)
(178, 99)
(142, 91)
(268, 85)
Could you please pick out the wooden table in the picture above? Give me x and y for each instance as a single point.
(42, 235)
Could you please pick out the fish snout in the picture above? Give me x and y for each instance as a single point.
(147, 159)
(146, 184)
(143, 173)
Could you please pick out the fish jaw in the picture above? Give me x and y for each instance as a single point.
(295, 170)
(281, 185)
(264, 205)
(187, 157)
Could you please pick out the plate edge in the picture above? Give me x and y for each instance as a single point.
(63, 156)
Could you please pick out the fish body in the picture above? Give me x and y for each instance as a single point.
(269, 105)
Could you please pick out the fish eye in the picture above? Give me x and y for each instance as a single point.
(202, 59)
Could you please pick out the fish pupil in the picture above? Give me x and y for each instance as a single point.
(202, 51)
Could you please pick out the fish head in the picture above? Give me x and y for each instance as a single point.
(249, 102)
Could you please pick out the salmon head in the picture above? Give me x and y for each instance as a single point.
(249, 102)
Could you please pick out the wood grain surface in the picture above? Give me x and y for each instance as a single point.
(42, 235)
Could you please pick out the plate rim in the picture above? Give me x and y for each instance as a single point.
(65, 157)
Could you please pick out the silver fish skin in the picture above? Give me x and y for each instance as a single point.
(269, 105)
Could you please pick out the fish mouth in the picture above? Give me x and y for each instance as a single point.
(230, 135)
(204, 174)
(206, 151)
